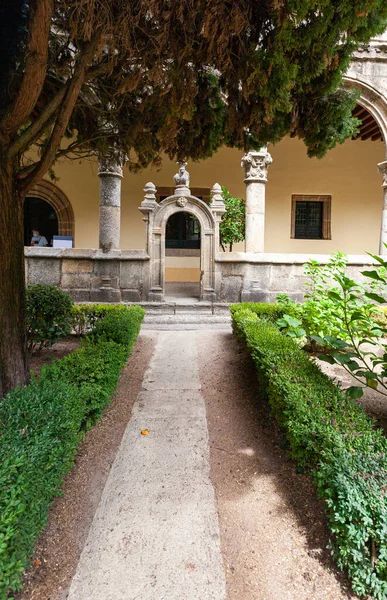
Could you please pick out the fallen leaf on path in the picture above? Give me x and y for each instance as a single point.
(144, 431)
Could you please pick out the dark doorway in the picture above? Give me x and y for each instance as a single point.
(182, 231)
(39, 214)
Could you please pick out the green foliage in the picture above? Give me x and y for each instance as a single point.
(331, 435)
(292, 327)
(321, 314)
(356, 347)
(118, 326)
(49, 316)
(85, 316)
(264, 310)
(41, 426)
(232, 226)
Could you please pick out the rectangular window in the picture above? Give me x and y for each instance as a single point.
(311, 217)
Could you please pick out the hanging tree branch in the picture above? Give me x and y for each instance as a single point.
(35, 66)
(66, 109)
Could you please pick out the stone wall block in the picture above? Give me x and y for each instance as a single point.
(131, 274)
(78, 295)
(44, 270)
(76, 281)
(231, 289)
(134, 295)
(107, 268)
(107, 294)
(77, 266)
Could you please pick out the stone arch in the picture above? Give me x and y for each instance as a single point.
(373, 101)
(60, 203)
(156, 215)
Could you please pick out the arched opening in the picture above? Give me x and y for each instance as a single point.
(369, 128)
(48, 209)
(40, 215)
(182, 257)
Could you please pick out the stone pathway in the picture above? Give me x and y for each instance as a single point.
(155, 534)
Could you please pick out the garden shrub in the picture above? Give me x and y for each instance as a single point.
(264, 310)
(85, 316)
(48, 316)
(331, 435)
(118, 325)
(40, 428)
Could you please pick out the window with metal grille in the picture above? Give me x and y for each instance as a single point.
(311, 217)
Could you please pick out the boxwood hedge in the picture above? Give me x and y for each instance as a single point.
(41, 426)
(332, 436)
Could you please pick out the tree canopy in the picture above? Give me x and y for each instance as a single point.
(180, 77)
(139, 77)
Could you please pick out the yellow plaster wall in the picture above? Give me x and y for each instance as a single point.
(348, 173)
(182, 268)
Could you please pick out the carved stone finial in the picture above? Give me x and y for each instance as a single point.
(256, 164)
(216, 192)
(149, 203)
(382, 168)
(217, 203)
(150, 190)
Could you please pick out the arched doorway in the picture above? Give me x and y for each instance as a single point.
(40, 215)
(157, 215)
(182, 257)
(48, 209)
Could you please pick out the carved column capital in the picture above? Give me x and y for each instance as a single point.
(255, 164)
(382, 168)
(111, 164)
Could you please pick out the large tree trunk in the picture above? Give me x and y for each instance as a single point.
(13, 352)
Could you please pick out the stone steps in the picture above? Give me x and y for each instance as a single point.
(174, 315)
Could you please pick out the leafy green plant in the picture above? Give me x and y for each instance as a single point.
(356, 347)
(232, 226)
(41, 426)
(49, 316)
(292, 327)
(331, 435)
(321, 314)
(85, 316)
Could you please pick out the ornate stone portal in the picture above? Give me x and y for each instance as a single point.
(156, 216)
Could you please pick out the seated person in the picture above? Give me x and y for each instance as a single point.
(37, 239)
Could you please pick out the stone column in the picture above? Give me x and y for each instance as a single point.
(255, 164)
(110, 175)
(382, 167)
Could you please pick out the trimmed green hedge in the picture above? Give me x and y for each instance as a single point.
(41, 426)
(85, 316)
(332, 436)
(264, 310)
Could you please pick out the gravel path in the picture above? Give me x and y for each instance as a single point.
(273, 533)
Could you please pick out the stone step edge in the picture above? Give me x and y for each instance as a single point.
(187, 318)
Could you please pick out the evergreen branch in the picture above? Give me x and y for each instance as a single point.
(35, 67)
(68, 104)
(34, 131)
